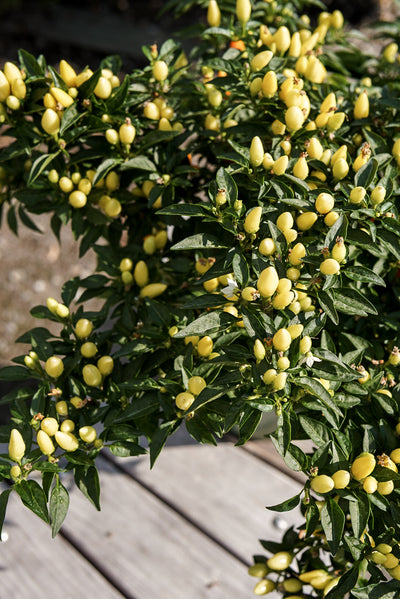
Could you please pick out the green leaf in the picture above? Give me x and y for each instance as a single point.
(33, 497)
(141, 406)
(312, 518)
(317, 432)
(70, 116)
(14, 373)
(3, 507)
(59, 503)
(248, 425)
(352, 302)
(332, 520)
(212, 322)
(141, 163)
(69, 290)
(208, 394)
(159, 439)
(240, 269)
(88, 86)
(199, 241)
(363, 275)
(30, 64)
(87, 481)
(380, 590)
(118, 97)
(346, 583)
(124, 449)
(339, 229)
(225, 181)
(183, 210)
(199, 431)
(366, 174)
(287, 505)
(316, 388)
(359, 513)
(39, 165)
(326, 302)
(105, 167)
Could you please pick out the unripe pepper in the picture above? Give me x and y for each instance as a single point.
(330, 266)
(50, 121)
(16, 446)
(305, 344)
(67, 441)
(341, 479)
(339, 251)
(256, 151)
(54, 367)
(378, 194)
(46, 445)
(260, 60)
(83, 328)
(284, 221)
(5, 87)
(252, 220)
(259, 570)
(127, 132)
(18, 88)
(103, 88)
(151, 111)
(324, 203)
(213, 14)
(269, 376)
(184, 400)
(68, 74)
(268, 281)
(357, 195)
(259, 350)
(280, 165)
(282, 39)
(300, 169)
(282, 340)
(263, 587)
(243, 10)
(322, 484)
(160, 70)
(306, 220)
(91, 375)
(297, 253)
(267, 246)
(280, 561)
(49, 426)
(205, 346)
(279, 381)
(196, 384)
(294, 118)
(88, 434)
(370, 484)
(361, 106)
(363, 465)
(61, 97)
(153, 290)
(105, 364)
(269, 84)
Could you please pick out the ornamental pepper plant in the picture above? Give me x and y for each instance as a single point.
(243, 204)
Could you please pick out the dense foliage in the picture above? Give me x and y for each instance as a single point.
(243, 203)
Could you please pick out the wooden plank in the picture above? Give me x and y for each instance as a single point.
(33, 565)
(152, 550)
(223, 490)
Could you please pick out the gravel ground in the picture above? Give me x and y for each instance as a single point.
(33, 267)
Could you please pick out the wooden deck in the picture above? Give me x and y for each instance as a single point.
(185, 530)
